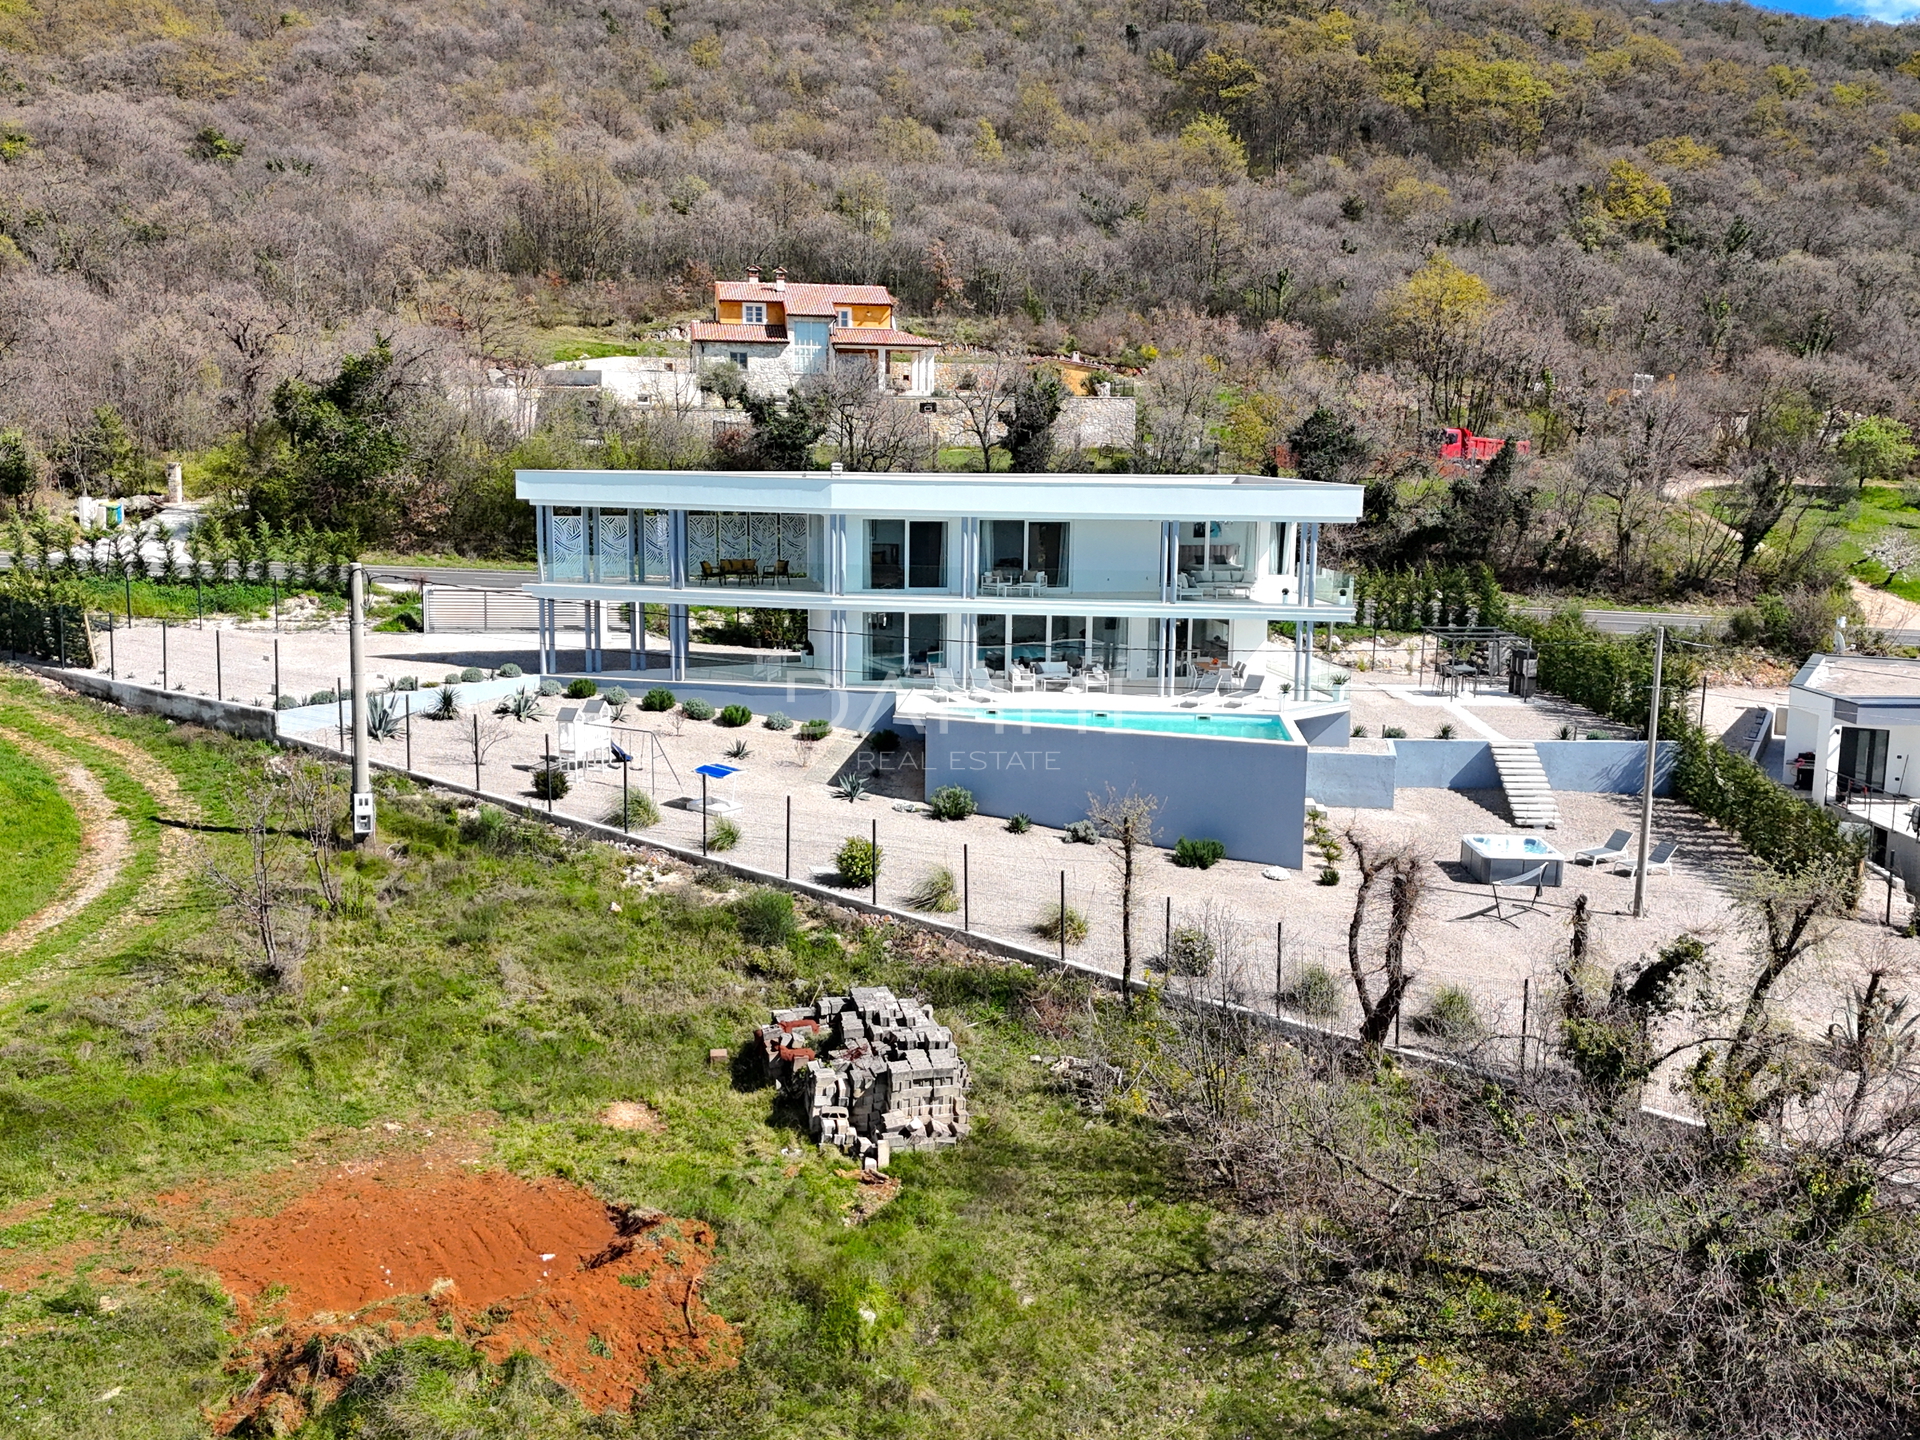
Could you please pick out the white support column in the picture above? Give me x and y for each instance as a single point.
(885, 355)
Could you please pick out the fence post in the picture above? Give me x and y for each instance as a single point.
(1279, 964)
(60, 627)
(874, 841)
(276, 682)
(788, 869)
(546, 744)
(966, 893)
(623, 795)
(409, 731)
(703, 814)
(1526, 1003)
(113, 658)
(476, 753)
(128, 577)
(164, 683)
(219, 683)
(1063, 922)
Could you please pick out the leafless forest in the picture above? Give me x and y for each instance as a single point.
(1491, 213)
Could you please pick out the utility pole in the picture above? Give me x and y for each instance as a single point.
(356, 676)
(1646, 787)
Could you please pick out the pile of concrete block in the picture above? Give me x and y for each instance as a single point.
(874, 1073)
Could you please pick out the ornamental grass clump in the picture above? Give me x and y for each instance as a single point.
(640, 812)
(1190, 951)
(765, 917)
(937, 893)
(1313, 993)
(1054, 916)
(1450, 1015)
(724, 835)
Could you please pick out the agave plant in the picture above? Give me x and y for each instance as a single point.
(523, 704)
(383, 717)
(447, 705)
(851, 787)
(738, 750)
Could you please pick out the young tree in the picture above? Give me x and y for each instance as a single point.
(1037, 403)
(1876, 448)
(982, 395)
(345, 437)
(1326, 447)
(1126, 822)
(259, 892)
(19, 467)
(784, 434)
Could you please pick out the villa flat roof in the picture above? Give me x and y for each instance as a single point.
(1001, 495)
(1861, 677)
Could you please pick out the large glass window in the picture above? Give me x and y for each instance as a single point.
(927, 555)
(990, 640)
(1019, 549)
(886, 555)
(886, 644)
(1109, 642)
(906, 555)
(1028, 638)
(1068, 639)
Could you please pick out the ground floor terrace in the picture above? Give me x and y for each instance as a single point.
(991, 645)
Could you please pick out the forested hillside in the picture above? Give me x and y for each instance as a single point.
(1490, 213)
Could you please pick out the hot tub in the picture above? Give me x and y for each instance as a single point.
(1502, 859)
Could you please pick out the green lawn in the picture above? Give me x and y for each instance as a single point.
(39, 837)
(1056, 1275)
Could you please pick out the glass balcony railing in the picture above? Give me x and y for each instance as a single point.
(1332, 587)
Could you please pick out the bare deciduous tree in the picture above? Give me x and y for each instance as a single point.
(1405, 872)
(1126, 822)
(258, 893)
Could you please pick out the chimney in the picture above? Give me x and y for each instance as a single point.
(753, 274)
(780, 278)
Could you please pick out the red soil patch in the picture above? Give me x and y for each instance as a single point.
(602, 1294)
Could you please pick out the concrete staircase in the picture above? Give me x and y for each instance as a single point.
(1529, 796)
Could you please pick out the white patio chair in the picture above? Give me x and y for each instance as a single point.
(1613, 848)
(1020, 678)
(1094, 677)
(1660, 859)
(1204, 691)
(982, 679)
(1267, 689)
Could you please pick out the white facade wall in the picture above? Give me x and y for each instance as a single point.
(1106, 557)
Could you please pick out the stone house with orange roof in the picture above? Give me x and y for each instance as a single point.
(778, 333)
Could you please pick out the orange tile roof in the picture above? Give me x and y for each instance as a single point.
(803, 299)
(753, 334)
(867, 337)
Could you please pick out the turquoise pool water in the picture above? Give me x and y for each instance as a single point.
(1180, 722)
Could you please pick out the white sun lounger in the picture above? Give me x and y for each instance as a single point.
(1615, 848)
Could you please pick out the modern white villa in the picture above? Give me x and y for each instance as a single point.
(1148, 586)
(1121, 627)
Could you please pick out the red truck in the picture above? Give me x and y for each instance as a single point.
(1460, 443)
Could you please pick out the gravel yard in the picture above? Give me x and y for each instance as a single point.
(1011, 879)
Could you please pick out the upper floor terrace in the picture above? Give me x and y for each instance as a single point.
(1131, 544)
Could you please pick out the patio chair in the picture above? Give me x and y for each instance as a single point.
(1614, 848)
(943, 686)
(1020, 678)
(1532, 877)
(1094, 677)
(707, 573)
(982, 679)
(1660, 859)
(1035, 582)
(777, 572)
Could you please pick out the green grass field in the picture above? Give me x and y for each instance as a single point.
(1056, 1275)
(39, 837)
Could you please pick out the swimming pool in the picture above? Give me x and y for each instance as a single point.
(1229, 726)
